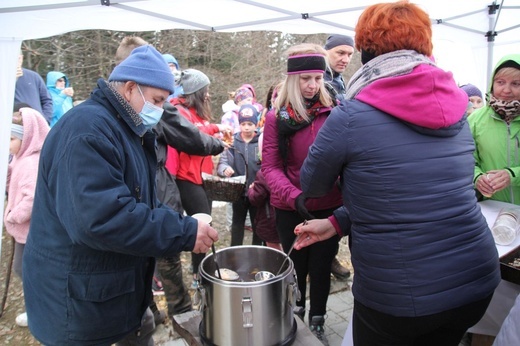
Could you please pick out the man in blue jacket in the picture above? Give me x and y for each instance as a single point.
(30, 88)
(97, 224)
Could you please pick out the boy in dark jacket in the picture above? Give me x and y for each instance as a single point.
(239, 160)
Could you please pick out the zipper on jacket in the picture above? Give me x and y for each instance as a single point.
(509, 163)
(138, 193)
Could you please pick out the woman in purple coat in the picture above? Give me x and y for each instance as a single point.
(300, 109)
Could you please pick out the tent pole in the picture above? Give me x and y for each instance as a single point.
(491, 34)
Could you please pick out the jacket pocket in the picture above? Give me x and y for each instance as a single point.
(101, 305)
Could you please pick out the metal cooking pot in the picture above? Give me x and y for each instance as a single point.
(248, 312)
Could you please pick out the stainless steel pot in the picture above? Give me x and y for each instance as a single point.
(248, 312)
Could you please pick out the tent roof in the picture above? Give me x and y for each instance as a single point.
(465, 20)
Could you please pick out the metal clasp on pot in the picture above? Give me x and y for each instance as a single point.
(247, 312)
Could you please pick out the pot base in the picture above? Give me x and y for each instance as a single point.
(288, 340)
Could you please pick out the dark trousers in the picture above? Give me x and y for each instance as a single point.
(240, 209)
(314, 260)
(371, 327)
(176, 293)
(144, 335)
(194, 200)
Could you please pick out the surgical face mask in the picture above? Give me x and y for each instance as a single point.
(150, 114)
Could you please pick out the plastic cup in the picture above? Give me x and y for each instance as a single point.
(505, 228)
(203, 217)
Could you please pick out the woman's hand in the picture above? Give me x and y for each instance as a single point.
(313, 231)
(498, 179)
(484, 186)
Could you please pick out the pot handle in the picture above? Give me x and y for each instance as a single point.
(293, 292)
(201, 293)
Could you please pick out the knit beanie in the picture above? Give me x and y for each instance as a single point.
(242, 93)
(471, 90)
(248, 113)
(193, 80)
(145, 66)
(338, 40)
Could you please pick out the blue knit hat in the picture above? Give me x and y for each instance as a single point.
(251, 115)
(145, 66)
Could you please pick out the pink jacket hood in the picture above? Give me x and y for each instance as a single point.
(23, 170)
(426, 97)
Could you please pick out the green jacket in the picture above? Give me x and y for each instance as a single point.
(497, 144)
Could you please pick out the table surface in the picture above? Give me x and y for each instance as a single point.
(190, 322)
(506, 292)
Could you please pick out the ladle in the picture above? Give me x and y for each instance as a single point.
(215, 260)
(290, 250)
(286, 257)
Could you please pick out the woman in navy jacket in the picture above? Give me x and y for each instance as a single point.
(425, 262)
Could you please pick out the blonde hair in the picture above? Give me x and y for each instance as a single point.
(507, 72)
(289, 90)
(127, 45)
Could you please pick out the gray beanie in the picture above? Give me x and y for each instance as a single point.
(145, 66)
(193, 80)
(338, 40)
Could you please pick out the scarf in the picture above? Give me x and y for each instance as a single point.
(506, 110)
(397, 63)
(289, 122)
(119, 103)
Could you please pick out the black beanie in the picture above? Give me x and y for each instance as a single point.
(338, 40)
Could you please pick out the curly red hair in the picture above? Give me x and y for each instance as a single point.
(387, 27)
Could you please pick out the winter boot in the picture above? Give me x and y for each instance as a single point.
(316, 326)
(339, 271)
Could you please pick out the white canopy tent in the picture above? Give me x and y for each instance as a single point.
(469, 35)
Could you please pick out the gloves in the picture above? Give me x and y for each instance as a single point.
(299, 204)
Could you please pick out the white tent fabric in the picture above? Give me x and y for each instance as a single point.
(460, 29)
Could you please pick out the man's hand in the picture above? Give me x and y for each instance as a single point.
(206, 235)
(228, 172)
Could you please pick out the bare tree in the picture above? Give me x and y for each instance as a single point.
(229, 59)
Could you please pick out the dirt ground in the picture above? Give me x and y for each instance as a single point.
(11, 334)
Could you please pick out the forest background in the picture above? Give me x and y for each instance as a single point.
(228, 59)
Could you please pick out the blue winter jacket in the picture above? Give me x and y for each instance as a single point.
(61, 103)
(96, 226)
(419, 243)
